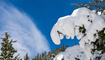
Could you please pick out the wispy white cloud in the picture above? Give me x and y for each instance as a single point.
(21, 28)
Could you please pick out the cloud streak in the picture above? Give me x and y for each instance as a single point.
(21, 28)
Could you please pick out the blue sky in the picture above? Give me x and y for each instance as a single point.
(45, 14)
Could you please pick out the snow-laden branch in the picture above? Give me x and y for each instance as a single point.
(82, 23)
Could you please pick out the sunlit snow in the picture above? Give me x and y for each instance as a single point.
(82, 23)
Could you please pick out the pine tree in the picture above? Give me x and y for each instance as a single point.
(51, 54)
(7, 49)
(98, 5)
(26, 57)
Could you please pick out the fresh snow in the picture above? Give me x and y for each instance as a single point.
(78, 53)
(59, 57)
(69, 26)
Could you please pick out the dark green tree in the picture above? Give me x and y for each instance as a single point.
(50, 55)
(7, 49)
(26, 57)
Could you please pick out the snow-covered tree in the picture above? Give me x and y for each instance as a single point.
(88, 27)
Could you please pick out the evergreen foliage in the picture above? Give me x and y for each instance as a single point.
(99, 44)
(50, 55)
(98, 5)
(7, 49)
(82, 30)
(26, 57)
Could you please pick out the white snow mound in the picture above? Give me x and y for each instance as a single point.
(82, 23)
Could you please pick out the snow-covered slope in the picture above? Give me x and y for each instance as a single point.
(85, 25)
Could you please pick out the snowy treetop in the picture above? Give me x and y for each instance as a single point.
(83, 23)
